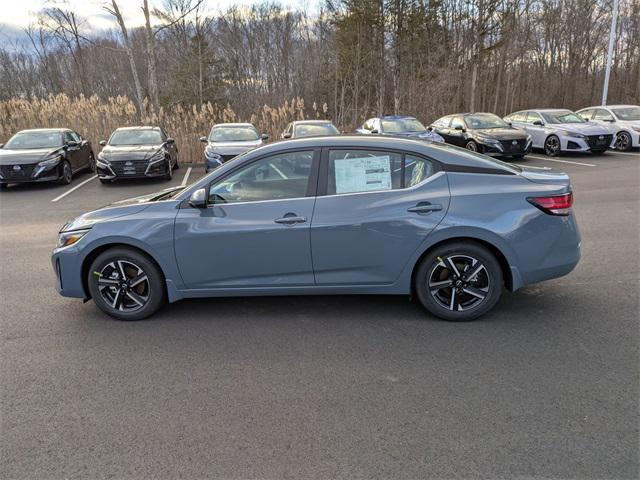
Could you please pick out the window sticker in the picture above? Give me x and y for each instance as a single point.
(363, 174)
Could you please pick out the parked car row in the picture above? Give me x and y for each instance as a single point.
(43, 155)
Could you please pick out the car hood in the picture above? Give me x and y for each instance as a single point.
(10, 157)
(121, 208)
(232, 148)
(584, 128)
(129, 152)
(501, 133)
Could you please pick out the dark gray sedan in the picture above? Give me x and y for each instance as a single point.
(330, 215)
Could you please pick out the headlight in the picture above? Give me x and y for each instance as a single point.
(101, 159)
(573, 134)
(492, 141)
(158, 156)
(66, 239)
(52, 162)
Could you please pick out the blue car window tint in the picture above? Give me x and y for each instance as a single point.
(276, 177)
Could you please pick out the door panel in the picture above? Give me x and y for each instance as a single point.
(242, 245)
(367, 238)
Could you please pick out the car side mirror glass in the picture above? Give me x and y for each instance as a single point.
(264, 137)
(430, 128)
(510, 124)
(198, 198)
(203, 139)
(72, 143)
(286, 135)
(374, 131)
(459, 127)
(103, 143)
(170, 140)
(538, 122)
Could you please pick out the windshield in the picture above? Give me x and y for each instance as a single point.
(562, 116)
(136, 137)
(485, 120)
(402, 125)
(627, 113)
(316, 130)
(27, 140)
(233, 134)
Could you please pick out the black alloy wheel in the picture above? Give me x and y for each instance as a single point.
(623, 142)
(552, 146)
(92, 162)
(459, 281)
(471, 145)
(126, 284)
(66, 174)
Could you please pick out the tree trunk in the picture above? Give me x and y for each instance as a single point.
(151, 58)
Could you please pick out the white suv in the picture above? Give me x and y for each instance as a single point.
(559, 131)
(622, 120)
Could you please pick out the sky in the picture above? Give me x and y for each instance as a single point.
(18, 14)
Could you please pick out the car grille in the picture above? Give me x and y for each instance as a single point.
(24, 172)
(508, 146)
(599, 141)
(130, 168)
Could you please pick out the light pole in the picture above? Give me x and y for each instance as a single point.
(612, 37)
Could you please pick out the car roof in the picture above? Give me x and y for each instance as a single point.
(616, 106)
(141, 127)
(60, 130)
(311, 122)
(546, 110)
(233, 125)
(398, 117)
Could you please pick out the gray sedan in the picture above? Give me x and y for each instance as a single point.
(330, 215)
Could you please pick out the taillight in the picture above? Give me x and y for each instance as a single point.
(554, 204)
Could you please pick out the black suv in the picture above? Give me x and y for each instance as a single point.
(484, 133)
(137, 152)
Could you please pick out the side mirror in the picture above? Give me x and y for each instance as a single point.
(286, 135)
(459, 127)
(374, 132)
(430, 128)
(510, 124)
(203, 139)
(103, 143)
(264, 137)
(198, 198)
(1, 145)
(538, 122)
(170, 140)
(72, 144)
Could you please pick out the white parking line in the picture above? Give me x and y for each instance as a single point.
(186, 177)
(637, 155)
(561, 161)
(59, 197)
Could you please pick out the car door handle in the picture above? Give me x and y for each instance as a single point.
(424, 207)
(290, 219)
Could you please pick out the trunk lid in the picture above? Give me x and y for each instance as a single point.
(546, 175)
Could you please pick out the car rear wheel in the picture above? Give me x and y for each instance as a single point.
(66, 175)
(471, 145)
(126, 284)
(92, 163)
(552, 146)
(623, 142)
(169, 174)
(459, 281)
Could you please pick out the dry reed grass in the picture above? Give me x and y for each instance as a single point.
(95, 119)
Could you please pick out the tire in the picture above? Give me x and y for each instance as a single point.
(552, 147)
(92, 163)
(445, 302)
(4, 186)
(169, 175)
(471, 145)
(176, 166)
(66, 174)
(126, 300)
(517, 157)
(623, 142)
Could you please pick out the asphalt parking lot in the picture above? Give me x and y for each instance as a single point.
(545, 386)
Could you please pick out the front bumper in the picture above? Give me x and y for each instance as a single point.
(506, 149)
(587, 144)
(67, 267)
(9, 175)
(132, 169)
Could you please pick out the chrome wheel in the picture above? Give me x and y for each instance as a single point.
(459, 282)
(623, 141)
(123, 285)
(472, 146)
(552, 146)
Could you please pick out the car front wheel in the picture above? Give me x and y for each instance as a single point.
(623, 142)
(126, 284)
(459, 281)
(66, 175)
(471, 145)
(552, 146)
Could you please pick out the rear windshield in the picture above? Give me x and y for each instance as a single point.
(479, 160)
(316, 130)
(135, 137)
(233, 134)
(27, 140)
